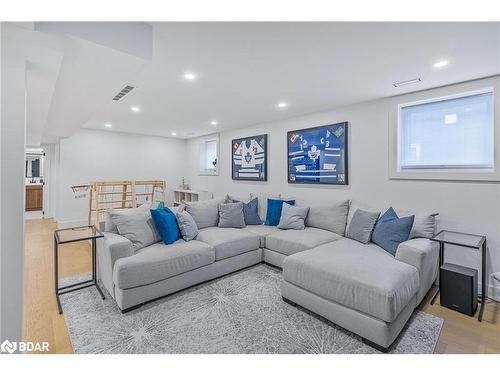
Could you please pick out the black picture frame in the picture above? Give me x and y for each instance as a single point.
(236, 171)
(292, 178)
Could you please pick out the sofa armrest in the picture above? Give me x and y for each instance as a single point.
(423, 254)
(117, 246)
(109, 249)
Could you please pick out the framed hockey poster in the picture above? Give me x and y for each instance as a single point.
(249, 157)
(318, 155)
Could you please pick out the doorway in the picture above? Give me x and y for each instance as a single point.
(35, 183)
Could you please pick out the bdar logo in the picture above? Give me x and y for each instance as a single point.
(8, 347)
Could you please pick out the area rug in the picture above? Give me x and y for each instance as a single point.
(240, 313)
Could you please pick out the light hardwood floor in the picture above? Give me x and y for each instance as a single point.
(42, 322)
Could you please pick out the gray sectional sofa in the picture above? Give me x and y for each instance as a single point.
(360, 287)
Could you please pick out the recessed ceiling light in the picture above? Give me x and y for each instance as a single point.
(108, 125)
(450, 119)
(135, 109)
(174, 133)
(213, 123)
(409, 82)
(190, 76)
(441, 64)
(282, 105)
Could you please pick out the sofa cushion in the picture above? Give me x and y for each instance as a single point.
(109, 226)
(392, 230)
(204, 213)
(159, 262)
(229, 242)
(166, 224)
(251, 212)
(262, 231)
(274, 207)
(362, 277)
(187, 225)
(327, 215)
(424, 224)
(136, 225)
(354, 205)
(262, 200)
(291, 241)
(231, 215)
(362, 225)
(292, 217)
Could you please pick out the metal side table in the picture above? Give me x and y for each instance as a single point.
(471, 241)
(64, 236)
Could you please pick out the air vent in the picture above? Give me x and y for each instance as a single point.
(124, 92)
(409, 82)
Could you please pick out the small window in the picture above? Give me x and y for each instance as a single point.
(209, 163)
(447, 133)
(210, 154)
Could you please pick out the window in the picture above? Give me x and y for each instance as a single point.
(447, 133)
(209, 163)
(210, 154)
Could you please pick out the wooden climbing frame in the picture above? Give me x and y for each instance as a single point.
(122, 194)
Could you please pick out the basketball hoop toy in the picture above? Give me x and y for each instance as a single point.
(80, 191)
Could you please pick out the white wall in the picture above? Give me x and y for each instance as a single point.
(12, 180)
(93, 155)
(464, 206)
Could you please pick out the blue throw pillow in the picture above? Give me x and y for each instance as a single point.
(166, 225)
(274, 207)
(391, 230)
(251, 212)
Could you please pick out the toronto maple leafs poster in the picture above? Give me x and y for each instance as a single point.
(250, 158)
(318, 155)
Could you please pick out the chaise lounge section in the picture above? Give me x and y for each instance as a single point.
(359, 287)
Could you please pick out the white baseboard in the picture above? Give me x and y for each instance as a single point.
(71, 223)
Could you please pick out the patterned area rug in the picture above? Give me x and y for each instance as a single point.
(239, 313)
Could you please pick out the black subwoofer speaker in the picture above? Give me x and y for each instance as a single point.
(458, 288)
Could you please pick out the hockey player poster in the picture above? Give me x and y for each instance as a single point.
(318, 155)
(250, 158)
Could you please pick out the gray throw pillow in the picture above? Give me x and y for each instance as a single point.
(327, 215)
(109, 226)
(187, 225)
(231, 215)
(204, 213)
(361, 226)
(292, 217)
(251, 212)
(424, 224)
(135, 225)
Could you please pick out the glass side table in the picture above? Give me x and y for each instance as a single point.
(471, 241)
(63, 236)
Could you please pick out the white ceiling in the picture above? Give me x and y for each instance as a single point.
(244, 69)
